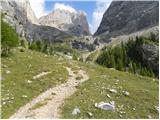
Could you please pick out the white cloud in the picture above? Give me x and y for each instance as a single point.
(38, 7)
(62, 6)
(101, 7)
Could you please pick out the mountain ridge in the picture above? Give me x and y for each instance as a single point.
(71, 22)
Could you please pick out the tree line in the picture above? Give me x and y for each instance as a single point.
(127, 57)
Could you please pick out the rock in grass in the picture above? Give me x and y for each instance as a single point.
(108, 96)
(76, 111)
(24, 96)
(113, 90)
(157, 108)
(90, 114)
(126, 93)
(149, 117)
(8, 72)
(29, 81)
(106, 106)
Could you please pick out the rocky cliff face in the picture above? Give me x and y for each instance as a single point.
(125, 17)
(20, 16)
(18, 13)
(71, 22)
(128, 19)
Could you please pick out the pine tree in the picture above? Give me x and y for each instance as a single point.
(38, 45)
(9, 38)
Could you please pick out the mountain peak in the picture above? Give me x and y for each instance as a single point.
(71, 21)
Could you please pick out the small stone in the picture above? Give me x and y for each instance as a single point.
(126, 93)
(122, 112)
(108, 96)
(76, 111)
(157, 108)
(8, 72)
(24, 96)
(120, 116)
(106, 106)
(3, 103)
(149, 117)
(134, 109)
(113, 90)
(90, 114)
(29, 81)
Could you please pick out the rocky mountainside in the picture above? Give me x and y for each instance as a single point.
(126, 20)
(19, 14)
(125, 17)
(72, 22)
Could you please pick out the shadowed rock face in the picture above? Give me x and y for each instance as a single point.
(72, 22)
(150, 55)
(124, 17)
(19, 14)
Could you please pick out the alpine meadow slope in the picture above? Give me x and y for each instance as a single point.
(53, 67)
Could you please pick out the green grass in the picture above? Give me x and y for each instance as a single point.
(23, 66)
(93, 56)
(143, 94)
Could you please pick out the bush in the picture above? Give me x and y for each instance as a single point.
(24, 43)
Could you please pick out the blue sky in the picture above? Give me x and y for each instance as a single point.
(93, 8)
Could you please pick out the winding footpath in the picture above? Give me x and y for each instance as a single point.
(54, 98)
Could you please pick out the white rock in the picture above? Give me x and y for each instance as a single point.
(122, 112)
(108, 96)
(3, 103)
(149, 117)
(8, 72)
(76, 111)
(90, 114)
(106, 106)
(29, 81)
(120, 116)
(157, 108)
(126, 93)
(111, 68)
(134, 109)
(24, 96)
(113, 90)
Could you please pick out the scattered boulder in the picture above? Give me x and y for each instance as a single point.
(106, 106)
(76, 111)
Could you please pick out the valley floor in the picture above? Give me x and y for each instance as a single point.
(35, 85)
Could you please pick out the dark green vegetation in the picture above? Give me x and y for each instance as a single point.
(52, 48)
(128, 57)
(19, 82)
(139, 104)
(9, 38)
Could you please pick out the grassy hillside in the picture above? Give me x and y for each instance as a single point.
(20, 87)
(139, 104)
(18, 71)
